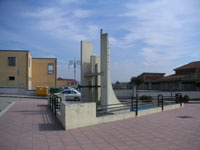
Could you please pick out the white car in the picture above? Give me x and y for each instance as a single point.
(71, 94)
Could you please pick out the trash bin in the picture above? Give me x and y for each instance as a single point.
(42, 90)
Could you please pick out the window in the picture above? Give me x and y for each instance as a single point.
(50, 69)
(11, 78)
(11, 61)
(66, 92)
(69, 92)
(74, 92)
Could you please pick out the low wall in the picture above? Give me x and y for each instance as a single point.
(75, 115)
(129, 92)
(18, 91)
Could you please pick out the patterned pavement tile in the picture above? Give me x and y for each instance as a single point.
(31, 125)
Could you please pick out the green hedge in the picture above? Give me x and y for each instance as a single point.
(145, 97)
(54, 90)
(185, 98)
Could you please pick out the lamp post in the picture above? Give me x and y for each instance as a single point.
(73, 63)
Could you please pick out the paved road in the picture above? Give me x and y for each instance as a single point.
(32, 126)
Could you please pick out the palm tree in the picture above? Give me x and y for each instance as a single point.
(137, 81)
(117, 83)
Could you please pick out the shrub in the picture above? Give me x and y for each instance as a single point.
(145, 98)
(54, 90)
(185, 98)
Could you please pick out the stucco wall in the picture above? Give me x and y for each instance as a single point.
(124, 93)
(40, 76)
(19, 71)
(76, 115)
(17, 91)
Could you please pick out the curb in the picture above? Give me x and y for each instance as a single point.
(16, 96)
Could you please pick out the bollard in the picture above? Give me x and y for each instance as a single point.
(132, 103)
(162, 103)
(136, 111)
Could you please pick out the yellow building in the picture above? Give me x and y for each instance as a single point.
(19, 70)
(15, 69)
(44, 72)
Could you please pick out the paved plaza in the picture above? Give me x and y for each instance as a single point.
(30, 125)
(6, 100)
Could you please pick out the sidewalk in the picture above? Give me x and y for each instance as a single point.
(24, 96)
(32, 126)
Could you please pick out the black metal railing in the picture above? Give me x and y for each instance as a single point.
(55, 103)
(126, 105)
(135, 104)
(112, 108)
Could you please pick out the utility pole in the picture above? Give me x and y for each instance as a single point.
(73, 63)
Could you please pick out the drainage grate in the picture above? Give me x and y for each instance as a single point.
(185, 117)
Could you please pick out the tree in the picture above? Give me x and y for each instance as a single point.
(118, 85)
(137, 81)
(117, 82)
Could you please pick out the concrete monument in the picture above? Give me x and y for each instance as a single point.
(96, 89)
(95, 73)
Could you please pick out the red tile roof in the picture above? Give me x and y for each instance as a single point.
(173, 76)
(194, 64)
(152, 73)
(153, 77)
(62, 79)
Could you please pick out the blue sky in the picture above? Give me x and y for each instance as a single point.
(145, 35)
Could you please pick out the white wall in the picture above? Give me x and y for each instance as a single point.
(76, 115)
(191, 94)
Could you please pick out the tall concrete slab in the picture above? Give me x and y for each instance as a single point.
(96, 79)
(86, 53)
(95, 71)
(107, 94)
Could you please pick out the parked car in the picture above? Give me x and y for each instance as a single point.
(71, 94)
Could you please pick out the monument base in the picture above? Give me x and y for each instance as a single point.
(75, 115)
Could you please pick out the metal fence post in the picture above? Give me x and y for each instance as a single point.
(50, 100)
(180, 100)
(136, 111)
(55, 103)
(162, 103)
(132, 103)
(158, 100)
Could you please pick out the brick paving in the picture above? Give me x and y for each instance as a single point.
(23, 96)
(31, 126)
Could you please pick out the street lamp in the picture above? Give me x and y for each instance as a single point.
(73, 63)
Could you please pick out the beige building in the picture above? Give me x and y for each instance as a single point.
(15, 69)
(19, 70)
(61, 82)
(44, 72)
